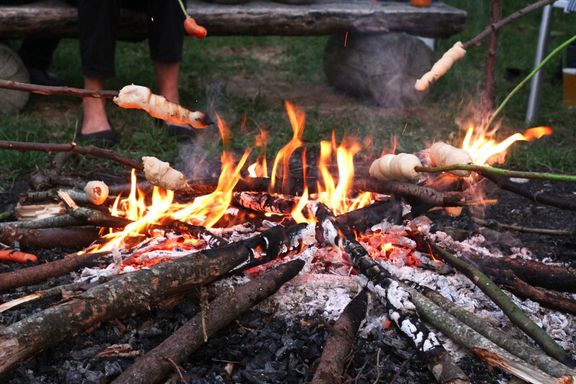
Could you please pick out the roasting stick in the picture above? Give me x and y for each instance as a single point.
(397, 300)
(130, 96)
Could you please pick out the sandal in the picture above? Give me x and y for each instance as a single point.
(103, 138)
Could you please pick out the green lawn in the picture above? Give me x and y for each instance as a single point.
(218, 73)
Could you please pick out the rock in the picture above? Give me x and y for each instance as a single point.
(12, 68)
(380, 67)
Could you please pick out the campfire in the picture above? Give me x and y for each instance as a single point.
(315, 234)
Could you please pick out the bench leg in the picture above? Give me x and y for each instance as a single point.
(536, 83)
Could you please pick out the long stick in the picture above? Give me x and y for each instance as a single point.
(514, 313)
(507, 20)
(486, 169)
(57, 90)
(89, 150)
(155, 365)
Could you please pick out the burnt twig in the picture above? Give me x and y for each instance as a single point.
(339, 345)
(154, 366)
(397, 300)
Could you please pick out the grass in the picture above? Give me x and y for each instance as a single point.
(244, 80)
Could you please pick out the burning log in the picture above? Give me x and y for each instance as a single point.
(264, 202)
(339, 345)
(481, 346)
(397, 300)
(157, 363)
(514, 313)
(512, 345)
(125, 295)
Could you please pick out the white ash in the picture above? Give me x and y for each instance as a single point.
(239, 228)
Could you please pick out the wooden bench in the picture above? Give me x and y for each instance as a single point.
(56, 18)
(322, 17)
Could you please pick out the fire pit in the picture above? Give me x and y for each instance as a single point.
(317, 267)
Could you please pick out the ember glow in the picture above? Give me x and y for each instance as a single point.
(485, 150)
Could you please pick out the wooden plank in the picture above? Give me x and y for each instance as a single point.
(322, 17)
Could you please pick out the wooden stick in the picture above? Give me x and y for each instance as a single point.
(127, 294)
(338, 348)
(523, 290)
(542, 198)
(487, 97)
(556, 277)
(514, 313)
(395, 297)
(90, 150)
(67, 237)
(49, 90)
(507, 20)
(493, 224)
(42, 272)
(481, 346)
(155, 365)
(512, 345)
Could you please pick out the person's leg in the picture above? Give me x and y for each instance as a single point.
(165, 38)
(167, 75)
(36, 54)
(98, 25)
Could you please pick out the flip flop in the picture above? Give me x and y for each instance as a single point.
(103, 138)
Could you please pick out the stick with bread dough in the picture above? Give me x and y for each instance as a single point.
(442, 154)
(395, 167)
(457, 52)
(161, 174)
(139, 97)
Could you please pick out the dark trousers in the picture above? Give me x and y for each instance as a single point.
(98, 27)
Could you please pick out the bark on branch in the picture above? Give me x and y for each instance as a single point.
(156, 364)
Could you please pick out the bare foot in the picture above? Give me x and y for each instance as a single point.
(94, 112)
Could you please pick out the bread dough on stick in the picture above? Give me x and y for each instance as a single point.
(395, 167)
(457, 52)
(161, 174)
(442, 154)
(139, 97)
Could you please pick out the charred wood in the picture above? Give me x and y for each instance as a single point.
(512, 311)
(42, 272)
(523, 290)
(338, 348)
(265, 202)
(542, 198)
(155, 365)
(67, 237)
(395, 297)
(556, 277)
(126, 295)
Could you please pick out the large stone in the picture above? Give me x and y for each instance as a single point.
(12, 68)
(380, 67)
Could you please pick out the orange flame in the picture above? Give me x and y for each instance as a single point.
(297, 122)
(204, 210)
(485, 150)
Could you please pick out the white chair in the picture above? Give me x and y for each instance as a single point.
(541, 48)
